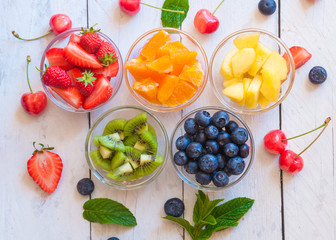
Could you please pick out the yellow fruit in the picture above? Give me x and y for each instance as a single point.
(246, 84)
(248, 40)
(227, 83)
(262, 54)
(242, 61)
(226, 70)
(252, 94)
(263, 101)
(271, 84)
(277, 64)
(235, 91)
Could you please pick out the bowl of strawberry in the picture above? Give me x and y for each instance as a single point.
(81, 69)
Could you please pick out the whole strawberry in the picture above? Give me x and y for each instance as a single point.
(55, 76)
(86, 83)
(90, 40)
(45, 168)
(106, 54)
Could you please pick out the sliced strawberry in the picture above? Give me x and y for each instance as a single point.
(55, 58)
(109, 71)
(45, 168)
(101, 93)
(74, 74)
(71, 95)
(56, 76)
(76, 55)
(74, 38)
(300, 56)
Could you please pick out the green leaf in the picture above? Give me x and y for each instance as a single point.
(198, 207)
(182, 222)
(221, 225)
(205, 234)
(104, 210)
(209, 220)
(171, 19)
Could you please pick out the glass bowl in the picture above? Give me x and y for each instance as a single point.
(60, 41)
(177, 35)
(190, 178)
(225, 46)
(126, 112)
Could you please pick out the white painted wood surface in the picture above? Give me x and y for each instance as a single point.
(308, 199)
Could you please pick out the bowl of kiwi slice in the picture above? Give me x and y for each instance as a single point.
(127, 147)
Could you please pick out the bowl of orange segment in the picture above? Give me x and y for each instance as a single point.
(166, 69)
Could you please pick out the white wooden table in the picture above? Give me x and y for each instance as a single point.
(286, 207)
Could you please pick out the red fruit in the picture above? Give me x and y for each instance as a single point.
(45, 168)
(273, 141)
(86, 83)
(101, 93)
(90, 40)
(60, 23)
(205, 21)
(74, 38)
(56, 76)
(300, 56)
(130, 7)
(106, 54)
(290, 162)
(109, 71)
(74, 74)
(55, 58)
(71, 95)
(76, 55)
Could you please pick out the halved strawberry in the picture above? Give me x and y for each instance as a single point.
(109, 71)
(300, 56)
(74, 38)
(76, 55)
(71, 95)
(101, 93)
(74, 74)
(55, 58)
(45, 168)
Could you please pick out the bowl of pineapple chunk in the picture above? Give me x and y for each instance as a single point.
(248, 72)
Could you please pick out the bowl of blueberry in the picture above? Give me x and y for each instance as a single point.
(212, 148)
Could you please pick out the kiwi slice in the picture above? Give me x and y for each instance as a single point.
(99, 161)
(148, 164)
(147, 143)
(118, 159)
(105, 152)
(133, 156)
(115, 126)
(112, 142)
(122, 173)
(131, 140)
(151, 130)
(136, 125)
(95, 141)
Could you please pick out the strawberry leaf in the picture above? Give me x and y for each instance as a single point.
(171, 19)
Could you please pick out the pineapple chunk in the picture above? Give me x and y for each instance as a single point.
(242, 61)
(263, 101)
(252, 94)
(227, 83)
(246, 84)
(271, 84)
(226, 70)
(235, 91)
(249, 40)
(262, 54)
(277, 64)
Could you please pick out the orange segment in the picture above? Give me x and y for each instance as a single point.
(138, 69)
(152, 47)
(178, 53)
(193, 74)
(182, 93)
(148, 89)
(161, 65)
(166, 88)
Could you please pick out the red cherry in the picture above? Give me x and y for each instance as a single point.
(273, 141)
(290, 162)
(60, 23)
(205, 21)
(130, 7)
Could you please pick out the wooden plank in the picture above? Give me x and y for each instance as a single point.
(309, 196)
(28, 212)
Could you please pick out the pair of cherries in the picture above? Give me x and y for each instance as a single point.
(276, 142)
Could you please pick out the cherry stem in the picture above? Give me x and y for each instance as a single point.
(162, 9)
(287, 139)
(15, 34)
(213, 13)
(326, 122)
(28, 61)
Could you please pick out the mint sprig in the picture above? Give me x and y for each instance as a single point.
(104, 210)
(173, 19)
(209, 217)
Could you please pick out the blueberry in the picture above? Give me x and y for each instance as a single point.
(203, 178)
(191, 167)
(220, 119)
(188, 136)
(180, 158)
(220, 179)
(239, 136)
(174, 207)
(203, 118)
(113, 238)
(212, 146)
(85, 186)
(194, 150)
(317, 75)
(231, 126)
(244, 151)
(230, 150)
(190, 126)
(208, 163)
(221, 161)
(182, 143)
(267, 7)
(200, 138)
(211, 132)
(223, 138)
(235, 166)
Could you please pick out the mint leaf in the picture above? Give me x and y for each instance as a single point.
(209, 220)
(171, 19)
(104, 210)
(221, 225)
(184, 223)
